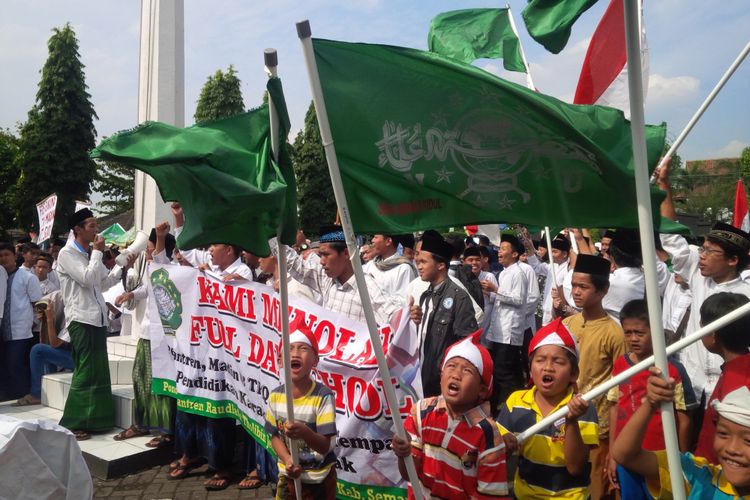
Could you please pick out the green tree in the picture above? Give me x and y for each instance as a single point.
(116, 182)
(745, 162)
(57, 136)
(316, 204)
(707, 188)
(220, 97)
(9, 173)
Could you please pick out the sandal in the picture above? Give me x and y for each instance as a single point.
(251, 482)
(217, 482)
(81, 435)
(183, 470)
(130, 432)
(160, 441)
(28, 400)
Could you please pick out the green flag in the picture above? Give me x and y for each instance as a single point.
(426, 142)
(221, 172)
(549, 21)
(471, 34)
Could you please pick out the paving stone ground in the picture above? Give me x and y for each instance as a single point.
(153, 484)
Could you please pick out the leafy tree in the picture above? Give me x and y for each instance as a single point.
(58, 135)
(9, 173)
(707, 190)
(316, 203)
(220, 97)
(745, 162)
(116, 182)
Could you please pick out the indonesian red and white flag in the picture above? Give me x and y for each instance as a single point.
(604, 75)
(741, 216)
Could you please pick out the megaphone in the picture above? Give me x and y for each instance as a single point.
(135, 248)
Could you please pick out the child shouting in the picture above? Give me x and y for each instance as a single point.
(313, 429)
(729, 479)
(629, 395)
(456, 445)
(555, 462)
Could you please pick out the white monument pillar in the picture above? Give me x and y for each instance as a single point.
(161, 97)
(161, 92)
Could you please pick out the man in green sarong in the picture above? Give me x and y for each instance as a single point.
(83, 277)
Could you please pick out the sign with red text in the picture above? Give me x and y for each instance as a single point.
(215, 348)
(46, 211)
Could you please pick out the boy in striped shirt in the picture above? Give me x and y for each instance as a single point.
(457, 448)
(553, 463)
(313, 429)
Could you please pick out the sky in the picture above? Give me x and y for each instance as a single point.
(691, 44)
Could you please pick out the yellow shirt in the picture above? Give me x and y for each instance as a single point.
(600, 343)
(542, 471)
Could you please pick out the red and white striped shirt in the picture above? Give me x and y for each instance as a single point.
(457, 458)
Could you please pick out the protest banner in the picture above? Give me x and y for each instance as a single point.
(46, 211)
(215, 349)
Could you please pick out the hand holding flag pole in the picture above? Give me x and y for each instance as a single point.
(645, 225)
(624, 376)
(271, 62)
(304, 33)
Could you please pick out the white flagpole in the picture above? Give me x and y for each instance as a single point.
(603, 388)
(529, 80)
(645, 225)
(727, 75)
(304, 33)
(271, 62)
(551, 259)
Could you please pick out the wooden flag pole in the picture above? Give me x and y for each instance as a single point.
(646, 228)
(304, 33)
(529, 80)
(271, 62)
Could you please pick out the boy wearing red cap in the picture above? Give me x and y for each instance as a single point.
(313, 429)
(457, 448)
(553, 463)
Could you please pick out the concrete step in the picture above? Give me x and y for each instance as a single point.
(122, 346)
(105, 457)
(55, 388)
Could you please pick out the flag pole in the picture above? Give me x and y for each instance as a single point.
(551, 259)
(529, 80)
(304, 33)
(624, 376)
(271, 61)
(632, 10)
(707, 102)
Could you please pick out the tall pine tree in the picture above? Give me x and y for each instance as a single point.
(58, 135)
(315, 200)
(220, 97)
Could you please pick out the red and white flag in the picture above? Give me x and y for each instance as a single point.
(604, 75)
(741, 216)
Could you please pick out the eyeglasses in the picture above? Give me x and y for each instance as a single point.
(702, 250)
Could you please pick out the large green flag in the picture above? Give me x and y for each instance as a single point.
(549, 21)
(222, 173)
(426, 142)
(471, 34)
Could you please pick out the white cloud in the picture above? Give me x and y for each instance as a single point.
(733, 149)
(663, 89)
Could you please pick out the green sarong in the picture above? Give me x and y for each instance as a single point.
(150, 411)
(90, 406)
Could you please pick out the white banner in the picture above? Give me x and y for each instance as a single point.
(46, 211)
(215, 348)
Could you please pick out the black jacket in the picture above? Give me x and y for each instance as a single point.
(453, 318)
